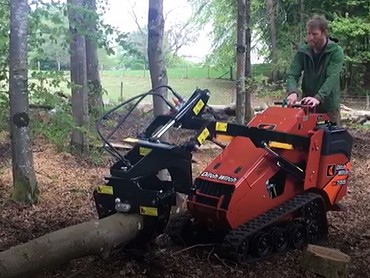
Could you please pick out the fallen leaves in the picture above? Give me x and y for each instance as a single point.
(66, 185)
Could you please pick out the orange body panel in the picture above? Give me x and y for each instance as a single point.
(333, 177)
(244, 173)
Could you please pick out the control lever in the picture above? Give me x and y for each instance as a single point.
(285, 164)
(283, 103)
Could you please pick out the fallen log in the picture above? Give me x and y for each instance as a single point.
(97, 237)
(347, 113)
(353, 115)
(330, 263)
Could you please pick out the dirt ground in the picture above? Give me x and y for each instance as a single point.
(66, 185)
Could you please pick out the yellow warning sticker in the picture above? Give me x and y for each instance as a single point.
(279, 145)
(198, 107)
(203, 136)
(150, 211)
(221, 126)
(105, 189)
(144, 151)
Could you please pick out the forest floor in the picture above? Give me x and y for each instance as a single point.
(66, 185)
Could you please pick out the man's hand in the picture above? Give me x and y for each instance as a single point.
(292, 99)
(310, 101)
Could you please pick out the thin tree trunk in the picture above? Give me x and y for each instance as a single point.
(158, 73)
(249, 113)
(301, 23)
(240, 62)
(24, 179)
(157, 67)
(95, 96)
(270, 6)
(79, 140)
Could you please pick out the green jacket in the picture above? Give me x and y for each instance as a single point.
(322, 80)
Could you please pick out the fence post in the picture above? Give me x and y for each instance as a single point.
(367, 101)
(121, 91)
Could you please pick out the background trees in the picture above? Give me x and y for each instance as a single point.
(74, 58)
(273, 29)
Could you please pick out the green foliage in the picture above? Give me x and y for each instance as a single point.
(55, 126)
(4, 40)
(354, 33)
(4, 104)
(4, 50)
(43, 85)
(49, 37)
(132, 51)
(222, 15)
(349, 23)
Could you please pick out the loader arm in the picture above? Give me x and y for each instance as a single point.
(261, 137)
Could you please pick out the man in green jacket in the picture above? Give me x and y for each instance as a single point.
(321, 61)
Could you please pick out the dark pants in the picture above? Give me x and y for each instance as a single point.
(334, 116)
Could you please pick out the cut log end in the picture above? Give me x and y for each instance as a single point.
(330, 263)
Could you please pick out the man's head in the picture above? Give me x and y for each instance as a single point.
(317, 30)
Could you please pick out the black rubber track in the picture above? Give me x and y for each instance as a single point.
(239, 239)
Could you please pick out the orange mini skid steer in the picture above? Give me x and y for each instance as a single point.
(266, 192)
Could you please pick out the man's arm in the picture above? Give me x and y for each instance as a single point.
(332, 75)
(294, 73)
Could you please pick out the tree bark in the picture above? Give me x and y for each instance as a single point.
(95, 96)
(301, 23)
(97, 237)
(271, 14)
(158, 73)
(240, 62)
(79, 140)
(249, 113)
(24, 179)
(329, 263)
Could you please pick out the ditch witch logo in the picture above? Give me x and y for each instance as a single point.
(219, 177)
(340, 170)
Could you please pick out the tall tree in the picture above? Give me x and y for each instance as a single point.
(240, 62)
(271, 12)
(95, 97)
(248, 64)
(158, 73)
(24, 179)
(79, 140)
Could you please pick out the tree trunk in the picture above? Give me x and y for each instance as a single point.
(327, 262)
(240, 62)
(79, 140)
(24, 179)
(301, 23)
(270, 7)
(97, 237)
(158, 73)
(249, 113)
(95, 96)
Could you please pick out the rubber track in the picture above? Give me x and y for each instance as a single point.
(232, 241)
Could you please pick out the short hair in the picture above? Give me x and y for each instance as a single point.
(318, 22)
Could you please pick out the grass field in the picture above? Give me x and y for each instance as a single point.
(221, 90)
(182, 80)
